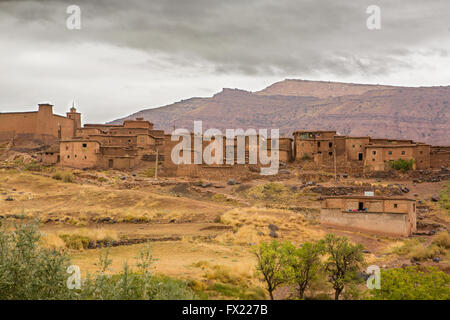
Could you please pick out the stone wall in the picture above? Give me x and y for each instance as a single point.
(380, 223)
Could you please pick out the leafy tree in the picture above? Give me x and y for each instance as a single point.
(411, 283)
(271, 263)
(343, 261)
(303, 264)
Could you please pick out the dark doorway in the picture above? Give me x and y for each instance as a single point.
(360, 206)
(110, 163)
(360, 156)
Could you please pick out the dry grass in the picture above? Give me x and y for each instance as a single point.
(250, 226)
(44, 197)
(52, 241)
(419, 250)
(442, 240)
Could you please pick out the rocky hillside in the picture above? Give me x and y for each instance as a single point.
(421, 114)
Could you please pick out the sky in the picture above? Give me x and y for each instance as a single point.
(137, 54)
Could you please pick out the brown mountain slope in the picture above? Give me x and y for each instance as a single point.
(319, 89)
(421, 114)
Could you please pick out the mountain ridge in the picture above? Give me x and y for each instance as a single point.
(416, 113)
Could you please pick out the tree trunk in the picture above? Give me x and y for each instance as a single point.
(301, 292)
(337, 293)
(271, 295)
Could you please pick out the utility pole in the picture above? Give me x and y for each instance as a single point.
(156, 164)
(335, 170)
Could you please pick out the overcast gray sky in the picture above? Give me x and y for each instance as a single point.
(136, 54)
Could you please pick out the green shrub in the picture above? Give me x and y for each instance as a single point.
(444, 197)
(28, 271)
(402, 165)
(411, 283)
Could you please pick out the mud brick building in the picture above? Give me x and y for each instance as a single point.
(120, 147)
(328, 149)
(393, 216)
(222, 170)
(41, 127)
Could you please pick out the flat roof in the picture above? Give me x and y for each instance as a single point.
(369, 197)
(80, 140)
(314, 131)
(391, 145)
(102, 125)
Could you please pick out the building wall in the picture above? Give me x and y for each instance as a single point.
(41, 125)
(422, 156)
(439, 156)
(354, 147)
(79, 154)
(378, 157)
(385, 216)
(382, 223)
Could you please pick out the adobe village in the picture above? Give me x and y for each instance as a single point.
(93, 184)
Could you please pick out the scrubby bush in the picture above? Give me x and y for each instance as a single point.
(28, 271)
(444, 197)
(411, 283)
(64, 176)
(402, 165)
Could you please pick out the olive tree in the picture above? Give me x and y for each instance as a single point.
(343, 261)
(303, 264)
(271, 263)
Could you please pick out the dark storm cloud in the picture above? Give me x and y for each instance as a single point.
(250, 36)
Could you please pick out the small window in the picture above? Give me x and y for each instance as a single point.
(395, 205)
(373, 159)
(75, 156)
(403, 152)
(68, 156)
(330, 153)
(374, 152)
(318, 144)
(84, 145)
(390, 152)
(420, 152)
(330, 144)
(353, 146)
